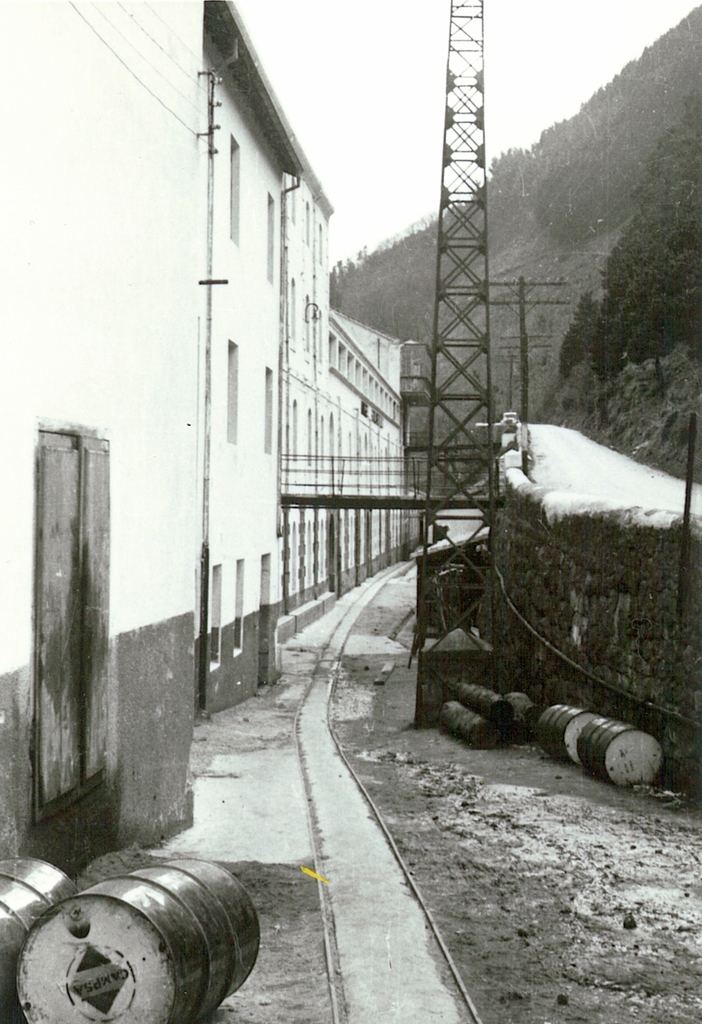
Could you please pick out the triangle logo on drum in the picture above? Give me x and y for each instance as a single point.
(97, 980)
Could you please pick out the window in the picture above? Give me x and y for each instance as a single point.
(234, 189)
(320, 244)
(232, 392)
(308, 237)
(216, 616)
(332, 350)
(342, 359)
(307, 324)
(265, 581)
(294, 428)
(293, 205)
(293, 559)
(271, 238)
(321, 436)
(268, 425)
(239, 607)
(71, 615)
(293, 314)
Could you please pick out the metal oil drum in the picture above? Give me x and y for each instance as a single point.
(28, 887)
(551, 728)
(492, 706)
(161, 945)
(619, 752)
(572, 733)
(469, 725)
(526, 714)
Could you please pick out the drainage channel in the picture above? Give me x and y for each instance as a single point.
(374, 916)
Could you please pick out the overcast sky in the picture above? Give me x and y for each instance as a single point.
(362, 82)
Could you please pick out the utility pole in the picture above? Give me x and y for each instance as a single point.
(208, 282)
(521, 299)
(527, 343)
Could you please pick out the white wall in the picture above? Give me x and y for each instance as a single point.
(247, 313)
(99, 268)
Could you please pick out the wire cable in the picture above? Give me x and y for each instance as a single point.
(584, 671)
(132, 73)
(163, 50)
(148, 62)
(175, 35)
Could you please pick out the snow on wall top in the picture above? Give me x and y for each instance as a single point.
(573, 475)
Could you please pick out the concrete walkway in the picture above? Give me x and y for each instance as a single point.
(251, 804)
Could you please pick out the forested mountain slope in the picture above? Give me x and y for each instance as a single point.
(557, 211)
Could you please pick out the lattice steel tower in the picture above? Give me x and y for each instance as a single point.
(460, 463)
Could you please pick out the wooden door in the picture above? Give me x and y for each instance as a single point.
(71, 607)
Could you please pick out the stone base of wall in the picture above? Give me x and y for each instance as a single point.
(153, 723)
(144, 794)
(240, 670)
(602, 589)
(303, 616)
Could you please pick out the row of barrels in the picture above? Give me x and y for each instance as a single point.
(161, 945)
(483, 718)
(610, 749)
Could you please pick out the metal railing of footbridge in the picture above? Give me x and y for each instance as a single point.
(353, 481)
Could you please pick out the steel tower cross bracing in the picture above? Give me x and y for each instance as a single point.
(459, 456)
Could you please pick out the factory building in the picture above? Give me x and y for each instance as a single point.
(168, 336)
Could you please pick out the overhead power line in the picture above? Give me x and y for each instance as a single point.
(133, 73)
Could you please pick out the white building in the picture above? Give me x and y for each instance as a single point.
(342, 458)
(256, 158)
(103, 214)
(167, 330)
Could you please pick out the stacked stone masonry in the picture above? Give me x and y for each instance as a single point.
(603, 590)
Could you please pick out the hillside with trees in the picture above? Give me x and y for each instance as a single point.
(608, 201)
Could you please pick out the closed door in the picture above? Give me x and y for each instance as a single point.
(71, 606)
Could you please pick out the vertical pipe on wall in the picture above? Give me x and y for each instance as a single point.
(283, 360)
(202, 672)
(282, 520)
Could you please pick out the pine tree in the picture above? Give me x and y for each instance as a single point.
(578, 339)
(653, 276)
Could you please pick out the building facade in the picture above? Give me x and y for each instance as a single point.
(342, 440)
(101, 257)
(255, 156)
(168, 337)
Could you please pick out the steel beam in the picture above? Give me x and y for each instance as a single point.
(460, 457)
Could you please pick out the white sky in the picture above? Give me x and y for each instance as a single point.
(362, 82)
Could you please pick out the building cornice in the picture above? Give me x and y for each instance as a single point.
(227, 29)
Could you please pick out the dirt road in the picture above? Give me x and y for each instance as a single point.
(561, 898)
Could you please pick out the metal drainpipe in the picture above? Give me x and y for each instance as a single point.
(315, 307)
(283, 371)
(203, 661)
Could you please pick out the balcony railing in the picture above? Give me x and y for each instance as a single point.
(341, 475)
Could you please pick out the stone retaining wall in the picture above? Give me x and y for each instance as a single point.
(602, 587)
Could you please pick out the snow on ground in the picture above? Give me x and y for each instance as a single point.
(581, 475)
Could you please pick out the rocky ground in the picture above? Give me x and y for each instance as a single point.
(560, 898)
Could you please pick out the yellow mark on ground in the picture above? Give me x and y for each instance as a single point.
(313, 874)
